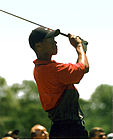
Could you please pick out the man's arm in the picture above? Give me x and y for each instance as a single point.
(76, 42)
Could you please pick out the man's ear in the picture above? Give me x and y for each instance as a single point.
(37, 46)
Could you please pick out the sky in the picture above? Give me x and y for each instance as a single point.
(92, 20)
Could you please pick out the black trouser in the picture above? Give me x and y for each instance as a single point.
(68, 129)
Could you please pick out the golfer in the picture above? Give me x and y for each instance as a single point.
(55, 82)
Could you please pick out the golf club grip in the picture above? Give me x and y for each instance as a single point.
(85, 42)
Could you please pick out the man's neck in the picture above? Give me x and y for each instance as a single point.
(44, 58)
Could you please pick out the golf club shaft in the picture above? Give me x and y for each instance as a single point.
(30, 21)
(85, 42)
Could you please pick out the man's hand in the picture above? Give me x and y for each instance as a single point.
(74, 40)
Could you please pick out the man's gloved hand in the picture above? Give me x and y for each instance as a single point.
(76, 40)
(84, 43)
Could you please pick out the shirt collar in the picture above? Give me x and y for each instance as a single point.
(43, 61)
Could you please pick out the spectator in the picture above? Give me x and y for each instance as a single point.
(39, 132)
(110, 136)
(97, 133)
(7, 138)
(13, 134)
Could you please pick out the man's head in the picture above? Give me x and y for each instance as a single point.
(7, 138)
(42, 41)
(39, 34)
(13, 134)
(39, 132)
(97, 133)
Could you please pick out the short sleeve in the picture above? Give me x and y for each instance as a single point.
(70, 73)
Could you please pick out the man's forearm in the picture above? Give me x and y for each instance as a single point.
(82, 58)
(76, 42)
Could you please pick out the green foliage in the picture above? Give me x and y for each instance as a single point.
(2, 82)
(98, 110)
(20, 108)
(20, 112)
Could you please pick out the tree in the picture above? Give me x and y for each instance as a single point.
(98, 110)
(20, 112)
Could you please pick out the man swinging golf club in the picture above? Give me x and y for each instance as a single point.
(55, 82)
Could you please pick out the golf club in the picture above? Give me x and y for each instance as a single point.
(84, 42)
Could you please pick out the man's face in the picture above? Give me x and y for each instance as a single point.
(49, 46)
(41, 133)
(100, 135)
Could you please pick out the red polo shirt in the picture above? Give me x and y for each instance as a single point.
(53, 78)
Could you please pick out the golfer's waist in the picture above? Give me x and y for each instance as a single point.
(78, 122)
